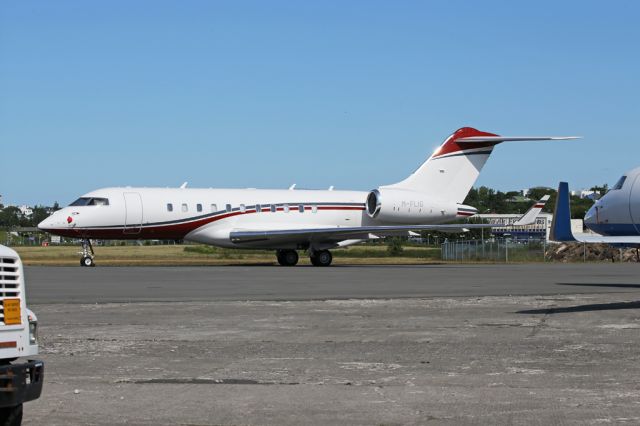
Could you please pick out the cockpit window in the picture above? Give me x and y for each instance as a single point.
(99, 202)
(88, 201)
(82, 201)
(619, 184)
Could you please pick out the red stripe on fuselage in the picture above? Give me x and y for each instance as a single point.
(175, 231)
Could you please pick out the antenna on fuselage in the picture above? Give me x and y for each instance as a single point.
(184, 185)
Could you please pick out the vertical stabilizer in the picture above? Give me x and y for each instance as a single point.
(561, 225)
(453, 168)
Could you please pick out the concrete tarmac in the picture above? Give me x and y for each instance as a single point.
(171, 284)
(444, 344)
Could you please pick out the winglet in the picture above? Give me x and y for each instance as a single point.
(561, 226)
(184, 185)
(529, 218)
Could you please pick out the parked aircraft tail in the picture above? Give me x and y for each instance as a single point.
(529, 218)
(453, 168)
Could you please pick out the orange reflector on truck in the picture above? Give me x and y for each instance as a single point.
(12, 311)
(5, 345)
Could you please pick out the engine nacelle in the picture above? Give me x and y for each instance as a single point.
(406, 206)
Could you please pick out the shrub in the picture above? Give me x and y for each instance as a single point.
(394, 247)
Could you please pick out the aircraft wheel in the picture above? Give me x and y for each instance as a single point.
(287, 257)
(321, 258)
(87, 261)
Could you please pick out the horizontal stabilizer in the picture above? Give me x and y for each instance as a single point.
(498, 139)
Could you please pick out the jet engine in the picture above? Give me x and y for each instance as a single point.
(406, 206)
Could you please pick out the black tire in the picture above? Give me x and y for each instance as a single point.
(87, 261)
(11, 416)
(321, 258)
(287, 257)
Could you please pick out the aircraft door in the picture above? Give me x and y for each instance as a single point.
(634, 203)
(133, 213)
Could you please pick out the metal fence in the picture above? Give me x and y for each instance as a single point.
(497, 250)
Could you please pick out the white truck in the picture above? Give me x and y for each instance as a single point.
(20, 377)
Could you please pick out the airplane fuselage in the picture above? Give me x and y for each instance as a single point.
(617, 213)
(209, 215)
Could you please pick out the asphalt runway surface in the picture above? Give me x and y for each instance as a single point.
(363, 345)
(228, 283)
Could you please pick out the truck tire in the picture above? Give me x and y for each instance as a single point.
(11, 416)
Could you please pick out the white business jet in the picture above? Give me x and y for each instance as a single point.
(289, 220)
(615, 218)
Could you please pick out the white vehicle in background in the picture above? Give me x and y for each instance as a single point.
(20, 377)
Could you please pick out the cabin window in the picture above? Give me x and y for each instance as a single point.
(314, 209)
(301, 208)
(285, 208)
(169, 207)
(243, 207)
(228, 207)
(199, 207)
(185, 208)
(273, 208)
(214, 208)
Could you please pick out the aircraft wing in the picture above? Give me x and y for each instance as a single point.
(368, 232)
(561, 227)
(344, 233)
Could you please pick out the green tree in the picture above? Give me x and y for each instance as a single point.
(9, 217)
(39, 214)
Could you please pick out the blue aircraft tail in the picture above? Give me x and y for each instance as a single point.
(561, 226)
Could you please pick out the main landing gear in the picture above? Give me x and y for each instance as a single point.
(317, 257)
(87, 253)
(321, 258)
(287, 257)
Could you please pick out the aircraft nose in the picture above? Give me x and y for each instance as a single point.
(46, 224)
(55, 221)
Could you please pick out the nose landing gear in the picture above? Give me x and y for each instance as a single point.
(87, 253)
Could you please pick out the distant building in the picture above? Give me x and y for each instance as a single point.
(26, 211)
(586, 193)
(539, 230)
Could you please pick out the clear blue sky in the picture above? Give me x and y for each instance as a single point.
(347, 93)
